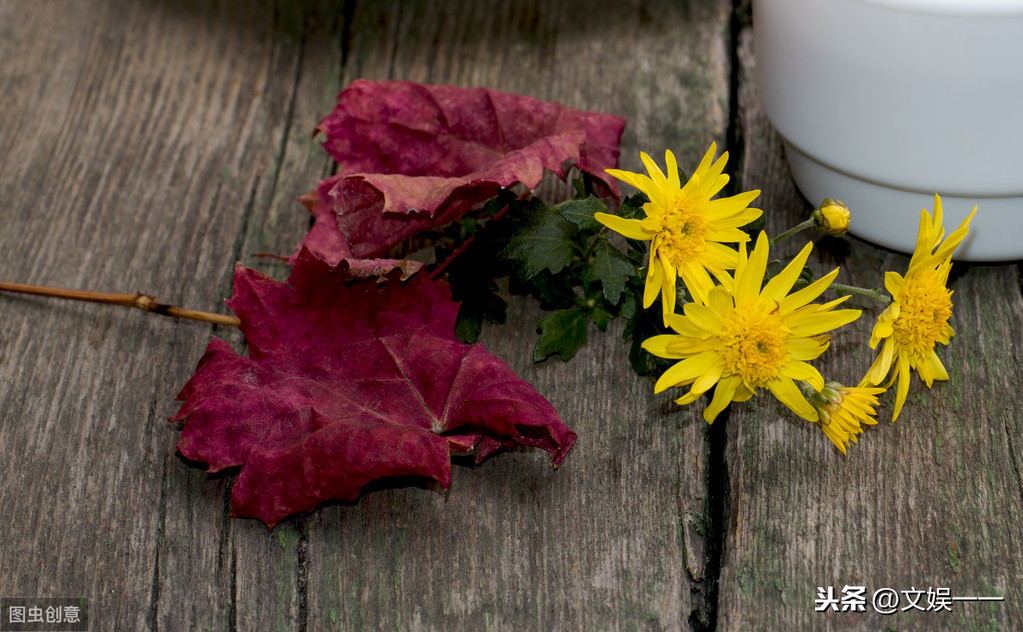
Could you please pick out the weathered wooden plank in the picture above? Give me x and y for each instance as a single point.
(134, 136)
(931, 501)
(615, 538)
(270, 568)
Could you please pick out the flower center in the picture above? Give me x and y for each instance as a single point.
(683, 231)
(925, 305)
(752, 344)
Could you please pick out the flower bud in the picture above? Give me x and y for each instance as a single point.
(826, 401)
(842, 410)
(832, 217)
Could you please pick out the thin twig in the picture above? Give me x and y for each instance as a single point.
(138, 300)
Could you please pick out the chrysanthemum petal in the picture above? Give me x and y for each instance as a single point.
(672, 164)
(782, 282)
(702, 316)
(638, 180)
(705, 381)
(801, 297)
(685, 371)
(836, 437)
(724, 394)
(658, 345)
(655, 172)
(788, 393)
(937, 368)
(902, 388)
(946, 249)
(880, 366)
(690, 397)
(734, 206)
(630, 228)
(683, 326)
(697, 281)
(653, 282)
(750, 276)
(715, 171)
(799, 370)
(742, 393)
(730, 235)
(707, 158)
(808, 348)
(882, 329)
(668, 289)
(816, 323)
(887, 357)
(719, 183)
(720, 301)
(721, 256)
(723, 278)
(893, 282)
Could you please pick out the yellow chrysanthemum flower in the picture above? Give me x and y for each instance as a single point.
(917, 318)
(841, 411)
(686, 228)
(747, 336)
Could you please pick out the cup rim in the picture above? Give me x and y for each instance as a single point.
(952, 7)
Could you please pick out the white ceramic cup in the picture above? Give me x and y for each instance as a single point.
(883, 103)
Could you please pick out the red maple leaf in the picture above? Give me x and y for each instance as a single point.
(412, 157)
(348, 383)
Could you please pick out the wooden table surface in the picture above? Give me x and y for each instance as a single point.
(149, 144)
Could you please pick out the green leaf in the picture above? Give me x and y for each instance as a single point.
(477, 306)
(563, 332)
(632, 206)
(580, 213)
(600, 317)
(541, 240)
(629, 306)
(645, 324)
(496, 205)
(611, 268)
(554, 291)
(773, 269)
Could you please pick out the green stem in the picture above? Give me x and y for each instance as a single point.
(875, 295)
(590, 247)
(792, 231)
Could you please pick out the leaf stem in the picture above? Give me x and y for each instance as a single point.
(875, 295)
(138, 300)
(792, 231)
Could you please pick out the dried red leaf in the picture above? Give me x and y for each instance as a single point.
(329, 244)
(413, 157)
(349, 383)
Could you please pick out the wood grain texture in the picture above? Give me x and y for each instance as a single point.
(134, 138)
(930, 501)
